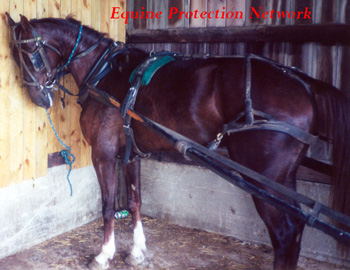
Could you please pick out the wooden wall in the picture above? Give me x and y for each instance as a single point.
(321, 56)
(324, 61)
(26, 137)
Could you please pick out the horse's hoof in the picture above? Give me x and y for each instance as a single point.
(94, 265)
(133, 261)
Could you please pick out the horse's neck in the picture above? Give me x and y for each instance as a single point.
(80, 68)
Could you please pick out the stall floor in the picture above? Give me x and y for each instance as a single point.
(169, 247)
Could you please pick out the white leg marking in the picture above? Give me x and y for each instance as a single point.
(139, 243)
(106, 253)
(133, 187)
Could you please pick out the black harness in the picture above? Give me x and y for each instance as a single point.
(266, 121)
(104, 65)
(252, 119)
(101, 69)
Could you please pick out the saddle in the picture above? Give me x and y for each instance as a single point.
(141, 76)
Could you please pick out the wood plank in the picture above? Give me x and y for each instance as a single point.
(324, 63)
(157, 6)
(130, 6)
(138, 23)
(327, 34)
(256, 5)
(54, 8)
(301, 5)
(95, 22)
(113, 24)
(105, 19)
(16, 109)
(5, 59)
(41, 121)
(297, 51)
(236, 5)
(29, 116)
(65, 8)
(53, 143)
(96, 15)
(214, 5)
(175, 21)
(64, 124)
(91, 12)
(64, 114)
(78, 7)
(198, 6)
(121, 27)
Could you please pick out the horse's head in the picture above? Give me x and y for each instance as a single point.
(37, 59)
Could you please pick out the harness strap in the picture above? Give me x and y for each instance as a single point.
(102, 67)
(297, 133)
(140, 76)
(268, 122)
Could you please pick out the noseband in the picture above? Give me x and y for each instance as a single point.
(39, 60)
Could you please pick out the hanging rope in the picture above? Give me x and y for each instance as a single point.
(69, 158)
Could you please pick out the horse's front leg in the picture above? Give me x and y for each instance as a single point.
(132, 177)
(105, 166)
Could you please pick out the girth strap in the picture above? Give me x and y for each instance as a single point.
(139, 77)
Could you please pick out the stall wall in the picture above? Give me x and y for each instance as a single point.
(35, 201)
(326, 62)
(26, 137)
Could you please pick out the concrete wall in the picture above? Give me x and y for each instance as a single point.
(195, 197)
(36, 210)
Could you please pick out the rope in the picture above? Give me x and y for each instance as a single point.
(73, 51)
(69, 158)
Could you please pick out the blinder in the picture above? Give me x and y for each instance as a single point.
(37, 61)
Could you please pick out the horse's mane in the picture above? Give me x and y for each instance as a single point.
(68, 23)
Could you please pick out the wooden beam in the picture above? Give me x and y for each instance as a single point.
(324, 33)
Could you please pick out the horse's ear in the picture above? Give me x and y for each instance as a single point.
(10, 21)
(25, 24)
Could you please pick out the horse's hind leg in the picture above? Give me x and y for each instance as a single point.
(277, 157)
(132, 176)
(285, 232)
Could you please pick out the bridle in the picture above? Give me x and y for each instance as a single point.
(40, 61)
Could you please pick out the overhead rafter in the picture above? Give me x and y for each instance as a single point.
(323, 33)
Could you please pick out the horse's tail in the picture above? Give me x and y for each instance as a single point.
(334, 119)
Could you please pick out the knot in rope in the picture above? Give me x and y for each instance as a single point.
(69, 158)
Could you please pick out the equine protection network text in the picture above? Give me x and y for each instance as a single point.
(175, 13)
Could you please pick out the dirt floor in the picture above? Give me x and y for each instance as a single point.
(169, 247)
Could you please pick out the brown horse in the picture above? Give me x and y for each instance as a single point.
(195, 97)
